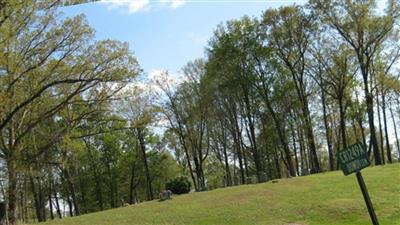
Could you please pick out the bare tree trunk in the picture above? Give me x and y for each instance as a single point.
(50, 181)
(328, 131)
(111, 186)
(252, 137)
(388, 151)
(370, 112)
(96, 177)
(238, 144)
(395, 132)
(21, 203)
(42, 202)
(245, 161)
(132, 184)
(146, 167)
(72, 191)
(269, 162)
(280, 128)
(277, 165)
(58, 209)
(36, 199)
(227, 169)
(380, 129)
(342, 122)
(11, 191)
(82, 185)
(70, 207)
(295, 149)
(316, 168)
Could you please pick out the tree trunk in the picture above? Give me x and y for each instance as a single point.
(22, 196)
(395, 132)
(3, 213)
(70, 207)
(12, 191)
(277, 165)
(185, 148)
(327, 132)
(132, 185)
(96, 177)
(83, 192)
(236, 134)
(72, 191)
(295, 149)
(250, 131)
(380, 129)
(111, 186)
(304, 165)
(388, 151)
(342, 122)
(146, 167)
(227, 169)
(269, 162)
(370, 112)
(360, 124)
(36, 199)
(316, 168)
(49, 195)
(280, 128)
(58, 209)
(42, 202)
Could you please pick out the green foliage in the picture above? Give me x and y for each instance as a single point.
(179, 185)
(250, 108)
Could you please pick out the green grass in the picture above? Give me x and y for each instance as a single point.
(328, 198)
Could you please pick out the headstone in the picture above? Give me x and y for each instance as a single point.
(169, 194)
(165, 195)
(3, 213)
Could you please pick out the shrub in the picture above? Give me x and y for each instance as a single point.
(178, 185)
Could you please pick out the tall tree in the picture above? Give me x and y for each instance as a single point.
(289, 31)
(54, 62)
(358, 23)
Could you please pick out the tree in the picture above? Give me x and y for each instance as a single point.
(139, 110)
(358, 23)
(230, 66)
(289, 32)
(53, 62)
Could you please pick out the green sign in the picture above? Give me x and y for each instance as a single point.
(353, 158)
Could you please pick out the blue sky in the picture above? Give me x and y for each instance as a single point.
(165, 34)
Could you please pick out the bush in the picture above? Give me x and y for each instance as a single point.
(179, 185)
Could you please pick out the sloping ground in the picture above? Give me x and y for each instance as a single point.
(329, 198)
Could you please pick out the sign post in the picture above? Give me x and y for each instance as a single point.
(353, 159)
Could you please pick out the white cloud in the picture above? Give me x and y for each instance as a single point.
(177, 3)
(134, 6)
(173, 3)
(128, 6)
(137, 5)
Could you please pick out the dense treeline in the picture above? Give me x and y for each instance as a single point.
(276, 96)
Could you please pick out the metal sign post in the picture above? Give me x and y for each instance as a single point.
(368, 202)
(353, 159)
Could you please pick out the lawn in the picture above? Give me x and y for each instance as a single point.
(327, 198)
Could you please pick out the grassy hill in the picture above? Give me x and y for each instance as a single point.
(328, 198)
